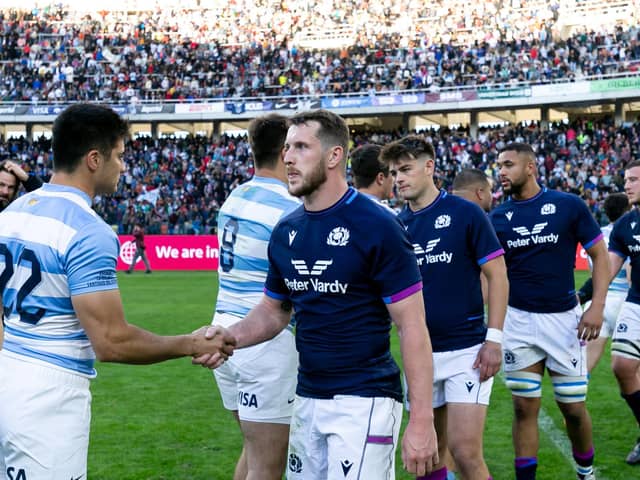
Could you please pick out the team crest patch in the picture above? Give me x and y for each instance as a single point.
(548, 209)
(443, 221)
(509, 357)
(338, 237)
(295, 464)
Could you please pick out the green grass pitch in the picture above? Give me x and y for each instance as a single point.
(166, 421)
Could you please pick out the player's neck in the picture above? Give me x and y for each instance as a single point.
(372, 191)
(529, 190)
(271, 173)
(70, 180)
(425, 199)
(325, 196)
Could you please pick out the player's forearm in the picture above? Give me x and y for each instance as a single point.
(498, 297)
(262, 323)
(601, 278)
(417, 356)
(137, 346)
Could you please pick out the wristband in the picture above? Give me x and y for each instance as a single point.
(494, 335)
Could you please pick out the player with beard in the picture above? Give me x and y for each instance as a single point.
(625, 349)
(540, 230)
(11, 174)
(345, 265)
(453, 243)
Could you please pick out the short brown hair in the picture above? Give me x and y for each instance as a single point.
(412, 146)
(333, 129)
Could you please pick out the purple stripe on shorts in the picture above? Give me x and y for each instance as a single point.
(380, 439)
(403, 293)
(440, 474)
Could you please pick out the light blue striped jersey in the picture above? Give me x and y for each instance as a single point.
(245, 223)
(619, 284)
(53, 246)
(379, 202)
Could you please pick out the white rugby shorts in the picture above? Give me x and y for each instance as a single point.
(45, 416)
(626, 337)
(553, 337)
(260, 381)
(344, 437)
(456, 381)
(612, 307)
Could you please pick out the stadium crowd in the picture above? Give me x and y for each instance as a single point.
(177, 185)
(55, 55)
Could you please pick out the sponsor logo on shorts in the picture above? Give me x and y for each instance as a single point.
(248, 399)
(14, 473)
(622, 327)
(295, 464)
(469, 385)
(346, 466)
(574, 362)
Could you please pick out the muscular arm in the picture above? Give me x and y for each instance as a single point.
(591, 321)
(262, 323)
(419, 444)
(489, 357)
(114, 340)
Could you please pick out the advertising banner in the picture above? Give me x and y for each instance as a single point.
(387, 100)
(346, 102)
(581, 260)
(214, 107)
(172, 252)
(504, 93)
(451, 96)
(615, 84)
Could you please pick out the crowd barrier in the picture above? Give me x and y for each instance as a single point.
(201, 252)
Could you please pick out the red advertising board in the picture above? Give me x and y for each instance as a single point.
(581, 259)
(172, 252)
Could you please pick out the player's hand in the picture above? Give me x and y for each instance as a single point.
(488, 360)
(214, 346)
(590, 324)
(419, 448)
(17, 170)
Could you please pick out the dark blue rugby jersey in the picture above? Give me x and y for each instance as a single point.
(625, 241)
(339, 267)
(452, 238)
(540, 236)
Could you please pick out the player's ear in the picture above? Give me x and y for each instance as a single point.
(335, 156)
(92, 159)
(380, 178)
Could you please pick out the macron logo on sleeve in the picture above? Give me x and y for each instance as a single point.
(292, 236)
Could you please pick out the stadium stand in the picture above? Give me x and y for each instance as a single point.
(307, 48)
(176, 185)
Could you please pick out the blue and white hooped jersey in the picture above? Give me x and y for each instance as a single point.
(53, 246)
(340, 267)
(540, 237)
(625, 242)
(619, 284)
(452, 238)
(245, 223)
